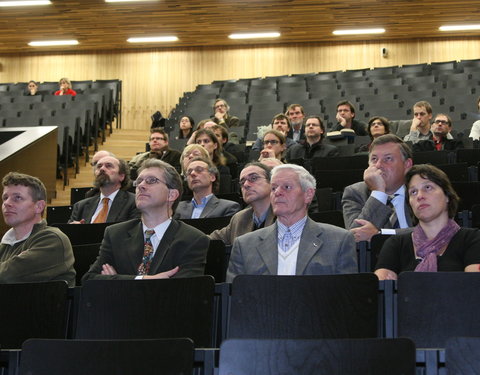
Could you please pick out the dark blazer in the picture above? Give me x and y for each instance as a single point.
(323, 249)
(214, 208)
(357, 203)
(317, 150)
(123, 244)
(123, 208)
(429, 145)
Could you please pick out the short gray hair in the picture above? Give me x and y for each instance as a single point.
(307, 181)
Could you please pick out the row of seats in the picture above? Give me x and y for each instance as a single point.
(389, 92)
(423, 307)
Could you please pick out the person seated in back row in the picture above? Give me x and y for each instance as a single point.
(65, 88)
(441, 138)
(203, 179)
(222, 116)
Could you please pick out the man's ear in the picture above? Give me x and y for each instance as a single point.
(40, 206)
(309, 194)
(173, 195)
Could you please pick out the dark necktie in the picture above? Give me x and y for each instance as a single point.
(144, 267)
(102, 215)
(393, 220)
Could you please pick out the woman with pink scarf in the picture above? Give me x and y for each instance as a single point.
(436, 243)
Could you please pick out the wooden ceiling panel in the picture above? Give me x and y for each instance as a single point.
(106, 26)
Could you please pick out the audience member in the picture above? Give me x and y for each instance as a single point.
(222, 135)
(273, 145)
(203, 179)
(345, 119)
(475, 132)
(31, 251)
(255, 185)
(159, 149)
(295, 245)
(440, 130)
(313, 146)
(32, 89)
(189, 153)
(209, 141)
(114, 203)
(379, 200)
(420, 128)
(436, 243)
(296, 114)
(280, 123)
(186, 125)
(377, 126)
(221, 114)
(65, 88)
(155, 246)
(95, 158)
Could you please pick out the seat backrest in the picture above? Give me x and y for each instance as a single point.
(77, 194)
(84, 255)
(132, 309)
(58, 214)
(216, 261)
(329, 217)
(32, 310)
(208, 224)
(83, 234)
(435, 306)
(304, 307)
(462, 355)
(75, 357)
(305, 357)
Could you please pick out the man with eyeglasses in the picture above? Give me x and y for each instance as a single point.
(295, 244)
(440, 140)
(255, 185)
(203, 179)
(281, 123)
(313, 147)
(154, 246)
(221, 114)
(159, 149)
(114, 203)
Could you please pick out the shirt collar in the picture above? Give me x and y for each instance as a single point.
(204, 201)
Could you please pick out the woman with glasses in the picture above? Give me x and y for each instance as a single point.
(273, 145)
(436, 243)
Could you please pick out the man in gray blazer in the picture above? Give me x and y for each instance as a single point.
(295, 244)
(111, 178)
(255, 185)
(155, 246)
(366, 205)
(203, 179)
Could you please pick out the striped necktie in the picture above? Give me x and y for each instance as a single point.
(102, 215)
(393, 220)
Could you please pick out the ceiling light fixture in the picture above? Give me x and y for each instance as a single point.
(129, 1)
(46, 43)
(254, 35)
(24, 3)
(459, 28)
(358, 31)
(153, 39)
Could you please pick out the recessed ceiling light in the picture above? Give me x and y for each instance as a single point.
(459, 28)
(358, 31)
(24, 3)
(254, 35)
(153, 39)
(53, 43)
(128, 1)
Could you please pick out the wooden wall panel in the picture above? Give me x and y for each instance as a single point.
(154, 79)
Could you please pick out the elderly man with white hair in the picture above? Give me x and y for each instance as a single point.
(295, 244)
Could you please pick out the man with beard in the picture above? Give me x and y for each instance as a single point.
(114, 203)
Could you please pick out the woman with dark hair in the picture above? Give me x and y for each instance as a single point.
(436, 243)
(32, 89)
(209, 141)
(186, 125)
(377, 126)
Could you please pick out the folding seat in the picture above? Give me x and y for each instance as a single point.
(30, 99)
(58, 214)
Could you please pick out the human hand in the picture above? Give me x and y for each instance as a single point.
(266, 153)
(107, 269)
(365, 231)
(78, 222)
(385, 274)
(219, 115)
(162, 275)
(374, 179)
(341, 120)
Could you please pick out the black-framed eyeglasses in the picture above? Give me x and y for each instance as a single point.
(272, 142)
(252, 178)
(150, 180)
(442, 122)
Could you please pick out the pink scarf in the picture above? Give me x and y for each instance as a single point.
(429, 249)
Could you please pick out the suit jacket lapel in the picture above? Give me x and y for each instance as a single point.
(267, 248)
(211, 205)
(163, 247)
(90, 208)
(135, 245)
(310, 244)
(117, 205)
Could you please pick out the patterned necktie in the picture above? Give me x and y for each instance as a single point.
(393, 220)
(144, 267)
(287, 240)
(102, 215)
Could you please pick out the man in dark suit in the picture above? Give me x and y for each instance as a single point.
(203, 180)
(159, 149)
(154, 246)
(114, 203)
(295, 244)
(366, 205)
(441, 138)
(255, 185)
(313, 146)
